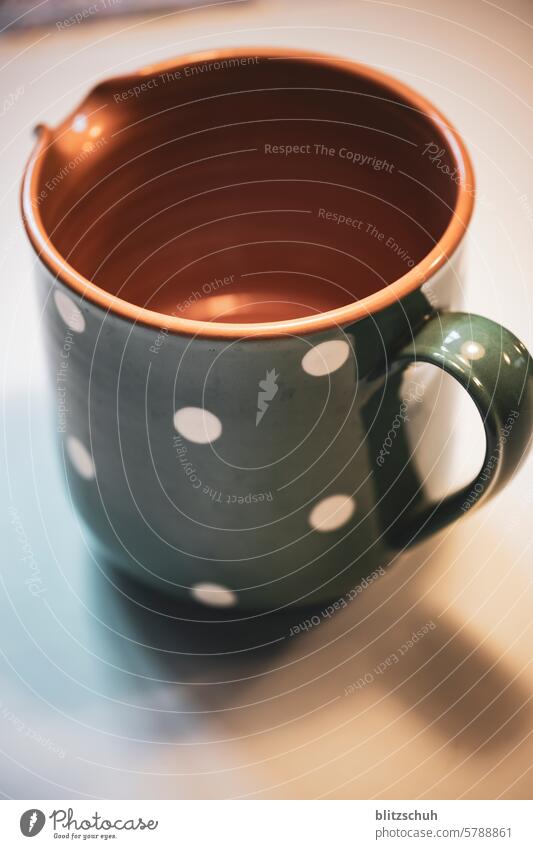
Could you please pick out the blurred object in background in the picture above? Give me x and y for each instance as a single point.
(64, 14)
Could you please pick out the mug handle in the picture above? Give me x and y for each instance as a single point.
(496, 370)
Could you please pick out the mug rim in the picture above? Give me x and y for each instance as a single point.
(415, 277)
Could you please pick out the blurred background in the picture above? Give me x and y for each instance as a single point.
(108, 692)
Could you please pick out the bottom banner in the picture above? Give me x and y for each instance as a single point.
(267, 823)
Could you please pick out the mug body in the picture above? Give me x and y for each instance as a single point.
(276, 469)
(244, 462)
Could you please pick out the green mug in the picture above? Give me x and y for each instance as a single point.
(241, 254)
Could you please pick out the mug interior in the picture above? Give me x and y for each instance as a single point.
(249, 189)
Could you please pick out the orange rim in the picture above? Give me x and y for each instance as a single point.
(348, 314)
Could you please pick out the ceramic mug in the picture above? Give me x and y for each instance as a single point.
(241, 255)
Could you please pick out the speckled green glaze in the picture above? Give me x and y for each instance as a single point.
(236, 512)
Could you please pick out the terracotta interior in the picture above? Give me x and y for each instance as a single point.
(172, 199)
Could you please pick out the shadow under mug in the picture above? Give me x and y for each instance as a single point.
(241, 256)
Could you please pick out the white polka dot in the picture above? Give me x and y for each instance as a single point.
(197, 424)
(80, 458)
(79, 124)
(472, 350)
(332, 512)
(69, 312)
(326, 357)
(214, 594)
